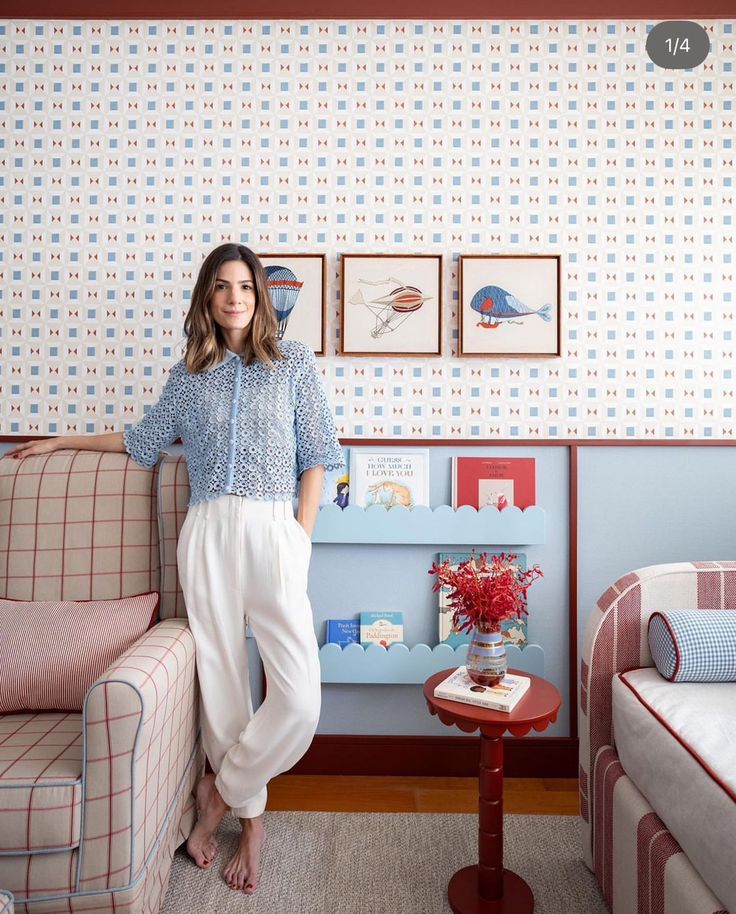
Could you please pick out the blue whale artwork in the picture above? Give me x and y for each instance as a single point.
(496, 305)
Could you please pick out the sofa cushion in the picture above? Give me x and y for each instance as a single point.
(40, 781)
(52, 652)
(689, 645)
(677, 743)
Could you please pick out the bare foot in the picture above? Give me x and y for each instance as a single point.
(241, 872)
(201, 844)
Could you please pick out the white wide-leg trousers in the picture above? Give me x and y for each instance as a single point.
(242, 557)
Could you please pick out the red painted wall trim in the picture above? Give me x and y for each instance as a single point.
(655, 10)
(437, 756)
(572, 589)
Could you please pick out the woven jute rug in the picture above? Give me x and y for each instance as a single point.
(376, 863)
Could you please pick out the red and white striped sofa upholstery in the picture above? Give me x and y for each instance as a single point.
(93, 804)
(639, 864)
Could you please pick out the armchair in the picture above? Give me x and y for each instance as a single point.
(94, 803)
(658, 821)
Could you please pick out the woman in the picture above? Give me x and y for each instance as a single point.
(253, 416)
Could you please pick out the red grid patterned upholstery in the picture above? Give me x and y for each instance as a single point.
(93, 805)
(637, 860)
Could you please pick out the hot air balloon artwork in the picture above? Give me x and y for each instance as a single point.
(392, 309)
(297, 283)
(509, 305)
(284, 288)
(391, 304)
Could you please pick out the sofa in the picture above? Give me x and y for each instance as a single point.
(657, 758)
(94, 803)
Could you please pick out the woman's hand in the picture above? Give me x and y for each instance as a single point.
(28, 448)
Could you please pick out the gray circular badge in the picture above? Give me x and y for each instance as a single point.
(678, 44)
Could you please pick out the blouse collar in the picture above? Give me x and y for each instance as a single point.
(229, 354)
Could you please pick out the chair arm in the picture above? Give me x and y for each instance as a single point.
(616, 640)
(141, 724)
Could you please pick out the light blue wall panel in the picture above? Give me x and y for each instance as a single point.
(345, 579)
(646, 505)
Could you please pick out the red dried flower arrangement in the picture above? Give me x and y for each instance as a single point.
(485, 594)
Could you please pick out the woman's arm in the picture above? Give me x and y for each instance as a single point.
(112, 441)
(310, 490)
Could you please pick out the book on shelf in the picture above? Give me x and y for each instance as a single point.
(513, 630)
(383, 628)
(343, 631)
(389, 478)
(498, 481)
(502, 697)
(336, 486)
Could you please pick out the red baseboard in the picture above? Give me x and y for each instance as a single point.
(436, 756)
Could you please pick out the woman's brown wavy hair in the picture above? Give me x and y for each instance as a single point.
(205, 345)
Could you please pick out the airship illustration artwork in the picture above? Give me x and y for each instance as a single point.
(392, 309)
(497, 306)
(284, 288)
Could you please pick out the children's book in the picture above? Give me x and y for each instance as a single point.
(389, 478)
(513, 630)
(498, 481)
(502, 697)
(343, 631)
(381, 628)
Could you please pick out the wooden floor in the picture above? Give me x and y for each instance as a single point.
(327, 793)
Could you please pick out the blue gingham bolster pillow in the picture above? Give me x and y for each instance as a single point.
(694, 645)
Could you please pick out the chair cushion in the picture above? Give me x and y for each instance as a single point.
(693, 645)
(52, 652)
(677, 743)
(40, 781)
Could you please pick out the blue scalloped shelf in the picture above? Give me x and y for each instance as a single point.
(443, 524)
(401, 664)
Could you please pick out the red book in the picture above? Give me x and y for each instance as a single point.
(498, 481)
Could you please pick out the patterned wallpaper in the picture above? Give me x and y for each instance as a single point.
(129, 149)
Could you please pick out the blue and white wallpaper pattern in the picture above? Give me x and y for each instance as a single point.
(131, 148)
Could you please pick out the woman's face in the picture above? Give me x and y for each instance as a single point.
(233, 301)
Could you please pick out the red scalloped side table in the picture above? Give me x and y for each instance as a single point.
(486, 887)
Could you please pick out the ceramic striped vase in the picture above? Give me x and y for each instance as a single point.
(487, 660)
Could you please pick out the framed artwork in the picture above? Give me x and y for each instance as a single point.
(509, 305)
(391, 304)
(297, 286)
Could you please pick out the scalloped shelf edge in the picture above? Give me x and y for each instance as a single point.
(400, 664)
(425, 509)
(425, 525)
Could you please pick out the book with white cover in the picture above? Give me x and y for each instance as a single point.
(389, 478)
(502, 697)
(384, 627)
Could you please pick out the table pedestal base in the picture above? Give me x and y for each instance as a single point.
(464, 898)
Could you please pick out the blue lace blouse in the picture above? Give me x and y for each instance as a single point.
(246, 429)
